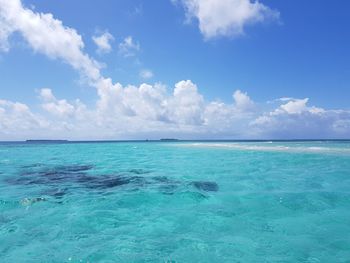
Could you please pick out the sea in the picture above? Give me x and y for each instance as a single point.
(175, 201)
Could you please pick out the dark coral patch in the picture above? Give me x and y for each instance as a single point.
(63, 179)
(76, 168)
(105, 182)
(73, 176)
(139, 171)
(206, 186)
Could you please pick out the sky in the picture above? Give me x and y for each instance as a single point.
(187, 69)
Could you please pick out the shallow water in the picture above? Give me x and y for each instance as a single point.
(175, 202)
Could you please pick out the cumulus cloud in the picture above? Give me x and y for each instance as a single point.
(186, 105)
(296, 120)
(128, 47)
(46, 35)
(17, 121)
(226, 17)
(61, 108)
(103, 42)
(146, 74)
(295, 106)
(151, 103)
(242, 101)
(153, 111)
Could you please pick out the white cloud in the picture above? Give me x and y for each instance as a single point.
(46, 35)
(128, 47)
(46, 95)
(242, 101)
(187, 105)
(103, 42)
(295, 106)
(226, 17)
(284, 99)
(151, 103)
(17, 121)
(61, 108)
(146, 74)
(295, 119)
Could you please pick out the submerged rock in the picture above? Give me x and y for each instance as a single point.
(52, 175)
(54, 192)
(63, 179)
(105, 182)
(74, 176)
(139, 171)
(206, 186)
(77, 168)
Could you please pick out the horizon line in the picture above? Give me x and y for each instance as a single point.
(166, 140)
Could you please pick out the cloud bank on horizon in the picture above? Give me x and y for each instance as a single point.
(151, 111)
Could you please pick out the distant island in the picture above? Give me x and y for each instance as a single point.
(46, 140)
(168, 140)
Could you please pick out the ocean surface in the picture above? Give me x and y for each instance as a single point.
(175, 202)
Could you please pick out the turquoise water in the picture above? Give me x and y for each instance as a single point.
(175, 202)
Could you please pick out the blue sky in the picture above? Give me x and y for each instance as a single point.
(268, 50)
